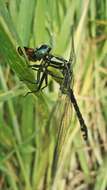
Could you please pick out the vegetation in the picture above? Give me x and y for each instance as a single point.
(41, 146)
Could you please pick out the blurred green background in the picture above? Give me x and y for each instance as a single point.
(41, 146)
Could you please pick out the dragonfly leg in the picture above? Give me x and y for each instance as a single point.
(46, 82)
(38, 76)
(39, 86)
(40, 65)
(34, 65)
(37, 68)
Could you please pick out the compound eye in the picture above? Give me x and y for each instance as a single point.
(44, 46)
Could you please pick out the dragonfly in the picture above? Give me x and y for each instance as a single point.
(49, 62)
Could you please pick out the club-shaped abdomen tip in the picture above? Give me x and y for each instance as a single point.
(20, 50)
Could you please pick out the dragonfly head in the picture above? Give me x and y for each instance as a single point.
(36, 54)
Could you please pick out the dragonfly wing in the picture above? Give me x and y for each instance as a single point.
(60, 122)
(72, 57)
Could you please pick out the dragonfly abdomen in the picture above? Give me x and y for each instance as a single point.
(79, 115)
